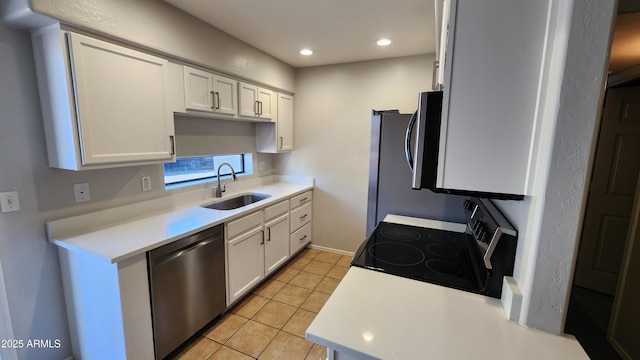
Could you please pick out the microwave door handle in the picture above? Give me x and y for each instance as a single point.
(419, 146)
(407, 148)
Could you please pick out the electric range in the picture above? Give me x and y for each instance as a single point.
(475, 260)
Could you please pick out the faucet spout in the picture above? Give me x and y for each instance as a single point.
(219, 189)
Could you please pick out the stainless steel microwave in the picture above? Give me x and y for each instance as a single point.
(422, 144)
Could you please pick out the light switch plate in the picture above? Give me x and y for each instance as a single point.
(9, 201)
(81, 192)
(146, 183)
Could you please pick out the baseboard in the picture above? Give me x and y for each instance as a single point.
(324, 248)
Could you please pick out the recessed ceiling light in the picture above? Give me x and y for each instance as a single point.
(383, 42)
(306, 52)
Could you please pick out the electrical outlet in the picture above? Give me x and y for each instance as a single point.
(261, 166)
(9, 201)
(81, 192)
(146, 183)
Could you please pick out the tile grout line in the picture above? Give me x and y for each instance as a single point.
(297, 308)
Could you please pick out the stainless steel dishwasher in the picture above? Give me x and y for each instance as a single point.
(187, 284)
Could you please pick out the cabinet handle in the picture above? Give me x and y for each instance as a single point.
(303, 216)
(268, 234)
(281, 142)
(260, 106)
(303, 199)
(213, 100)
(304, 237)
(217, 102)
(262, 237)
(256, 108)
(173, 144)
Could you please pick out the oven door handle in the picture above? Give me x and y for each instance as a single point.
(407, 147)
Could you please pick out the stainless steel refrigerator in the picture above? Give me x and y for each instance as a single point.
(390, 189)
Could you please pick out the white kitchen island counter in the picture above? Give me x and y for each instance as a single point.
(372, 315)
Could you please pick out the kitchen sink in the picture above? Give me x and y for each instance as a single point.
(236, 202)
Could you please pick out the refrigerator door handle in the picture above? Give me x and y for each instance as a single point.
(407, 148)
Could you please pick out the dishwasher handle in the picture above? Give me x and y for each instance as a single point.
(194, 242)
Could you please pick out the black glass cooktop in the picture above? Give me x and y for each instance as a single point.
(424, 254)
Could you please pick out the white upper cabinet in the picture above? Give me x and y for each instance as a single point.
(208, 92)
(492, 83)
(442, 30)
(103, 105)
(277, 137)
(257, 102)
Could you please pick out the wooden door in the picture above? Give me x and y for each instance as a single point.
(625, 319)
(611, 192)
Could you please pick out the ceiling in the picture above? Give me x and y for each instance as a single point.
(338, 31)
(341, 31)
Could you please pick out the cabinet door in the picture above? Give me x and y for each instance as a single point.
(267, 104)
(276, 245)
(248, 100)
(245, 263)
(225, 95)
(285, 122)
(122, 102)
(198, 89)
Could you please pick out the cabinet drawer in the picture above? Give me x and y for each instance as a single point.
(300, 216)
(275, 210)
(301, 199)
(237, 227)
(300, 238)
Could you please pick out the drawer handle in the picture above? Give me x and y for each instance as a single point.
(304, 237)
(303, 216)
(303, 200)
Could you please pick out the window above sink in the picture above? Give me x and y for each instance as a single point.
(189, 170)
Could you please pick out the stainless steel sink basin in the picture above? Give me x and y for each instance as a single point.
(236, 202)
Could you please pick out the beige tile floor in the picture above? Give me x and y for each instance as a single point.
(271, 321)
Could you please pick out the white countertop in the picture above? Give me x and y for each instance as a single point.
(373, 315)
(118, 241)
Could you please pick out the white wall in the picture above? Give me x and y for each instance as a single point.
(332, 128)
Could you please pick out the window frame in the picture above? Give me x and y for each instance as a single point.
(208, 175)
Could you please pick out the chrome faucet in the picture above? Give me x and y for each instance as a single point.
(220, 189)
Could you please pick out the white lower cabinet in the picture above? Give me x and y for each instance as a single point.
(256, 248)
(261, 242)
(300, 222)
(245, 263)
(300, 238)
(276, 245)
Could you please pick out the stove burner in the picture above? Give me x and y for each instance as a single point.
(442, 250)
(399, 233)
(444, 267)
(442, 237)
(398, 254)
